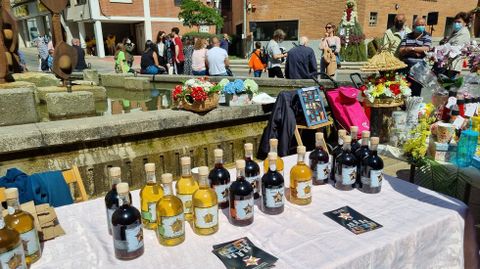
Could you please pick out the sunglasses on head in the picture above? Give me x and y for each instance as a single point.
(328, 27)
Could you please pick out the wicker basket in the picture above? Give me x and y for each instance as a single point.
(207, 105)
(384, 102)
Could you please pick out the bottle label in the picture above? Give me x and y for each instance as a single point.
(206, 217)
(322, 171)
(133, 239)
(187, 202)
(109, 217)
(376, 178)
(243, 209)
(151, 214)
(304, 189)
(349, 174)
(255, 181)
(30, 242)
(10, 210)
(14, 258)
(274, 197)
(222, 192)
(172, 227)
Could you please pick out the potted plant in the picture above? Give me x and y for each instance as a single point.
(197, 95)
(239, 92)
(386, 90)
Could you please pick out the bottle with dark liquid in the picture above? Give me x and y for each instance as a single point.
(319, 161)
(241, 198)
(252, 170)
(337, 150)
(111, 199)
(346, 172)
(354, 134)
(219, 178)
(361, 154)
(372, 174)
(127, 227)
(273, 192)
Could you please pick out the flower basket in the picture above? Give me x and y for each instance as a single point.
(384, 102)
(238, 99)
(209, 104)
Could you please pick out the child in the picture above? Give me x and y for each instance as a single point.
(50, 59)
(256, 61)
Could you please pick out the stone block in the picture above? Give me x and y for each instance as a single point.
(38, 78)
(70, 104)
(114, 80)
(84, 82)
(137, 83)
(91, 75)
(99, 92)
(17, 106)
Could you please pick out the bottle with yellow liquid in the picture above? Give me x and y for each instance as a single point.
(170, 217)
(301, 180)
(149, 197)
(12, 254)
(23, 223)
(205, 206)
(186, 186)
(273, 148)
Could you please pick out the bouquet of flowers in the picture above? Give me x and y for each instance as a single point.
(197, 94)
(239, 86)
(472, 52)
(390, 86)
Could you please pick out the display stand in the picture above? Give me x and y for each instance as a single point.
(299, 128)
(381, 118)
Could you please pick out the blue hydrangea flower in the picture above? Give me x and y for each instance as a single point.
(229, 88)
(238, 86)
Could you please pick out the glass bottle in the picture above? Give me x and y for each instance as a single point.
(362, 153)
(274, 148)
(149, 196)
(273, 191)
(319, 161)
(111, 198)
(205, 206)
(170, 216)
(301, 180)
(12, 254)
(24, 223)
(346, 173)
(127, 227)
(372, 174)
(186, 186)
(219, 178)
(354, 134)
(241, 198)
(337, 150)
(252, 170)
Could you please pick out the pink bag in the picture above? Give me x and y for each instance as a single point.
(347, 110)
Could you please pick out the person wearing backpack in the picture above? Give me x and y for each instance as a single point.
(258, 61)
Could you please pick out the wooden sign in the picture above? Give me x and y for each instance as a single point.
(64, 60)
(313, 107)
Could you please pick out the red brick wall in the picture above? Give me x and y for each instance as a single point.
(121, 9)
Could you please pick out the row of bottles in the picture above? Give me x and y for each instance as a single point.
(19, 241)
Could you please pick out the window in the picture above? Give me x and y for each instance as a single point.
(177, 2)
(373, 19)
(391, 20)
(448, 26)
(264, 30)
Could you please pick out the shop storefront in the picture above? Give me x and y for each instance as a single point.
(33, 19)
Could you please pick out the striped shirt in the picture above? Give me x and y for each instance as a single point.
(425, 40)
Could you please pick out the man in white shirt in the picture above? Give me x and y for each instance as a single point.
(217, 59)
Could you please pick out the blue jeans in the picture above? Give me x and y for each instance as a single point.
(199, 73)
(257, 73)
(152, 70)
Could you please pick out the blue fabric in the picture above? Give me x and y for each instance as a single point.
(257, 73)
(48, 187)
(199, 73)
(152, 70)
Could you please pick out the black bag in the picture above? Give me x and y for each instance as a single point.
(263, 57)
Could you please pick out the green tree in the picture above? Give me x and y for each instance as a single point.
(196, 13)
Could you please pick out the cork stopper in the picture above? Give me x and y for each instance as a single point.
(122, 187)
(150, 167)
(248, 147)
(203, 171)
(374, 140)
(272, 156)
(347, 139)
(319, 136)
(115, 172)
(240, 164)
(218, 153)
(273, 142)
(365, 134)
(11, 193)
(167, 178)
(185, 161)
(301, 149)
(354, 129)
(342, 133)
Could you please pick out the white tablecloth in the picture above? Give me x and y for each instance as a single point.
(421, 229)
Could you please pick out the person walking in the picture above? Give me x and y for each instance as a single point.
(81, 63)
(187, 52)
(149, 62)
(179, 56)
(217, 59)
(301, 61)
(275, 54)
(329, 45)
(225, 43)
(199, 58)
(256, 61)
(394, 35)
(129, 49)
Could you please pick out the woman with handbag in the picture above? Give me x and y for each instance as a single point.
(330, 44)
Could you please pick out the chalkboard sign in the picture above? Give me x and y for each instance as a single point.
(312, 104)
